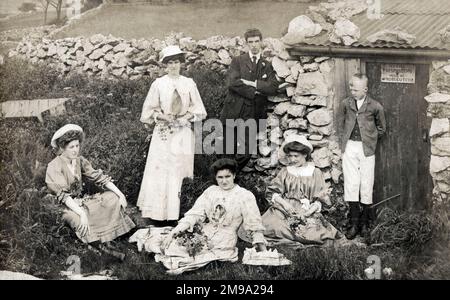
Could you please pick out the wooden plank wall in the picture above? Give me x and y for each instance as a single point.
(32, 108)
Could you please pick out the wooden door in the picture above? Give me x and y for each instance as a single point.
(403, 154)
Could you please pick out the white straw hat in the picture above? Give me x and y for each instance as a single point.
(170, 51)
(60, 132)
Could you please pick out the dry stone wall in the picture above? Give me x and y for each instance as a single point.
(304, 104)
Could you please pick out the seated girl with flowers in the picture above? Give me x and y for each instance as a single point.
(296, 196)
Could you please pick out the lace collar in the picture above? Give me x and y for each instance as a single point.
(306, 170)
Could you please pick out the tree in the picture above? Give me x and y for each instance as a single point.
(57, 4)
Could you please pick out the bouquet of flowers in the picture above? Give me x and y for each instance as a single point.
(295, 221)
(165, 129)
(194, 241)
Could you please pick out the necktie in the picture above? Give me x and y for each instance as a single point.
(176, 103)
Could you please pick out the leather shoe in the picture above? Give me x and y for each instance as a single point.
(352, 232)
(364, 230)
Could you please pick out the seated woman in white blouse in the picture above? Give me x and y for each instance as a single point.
(220, 211)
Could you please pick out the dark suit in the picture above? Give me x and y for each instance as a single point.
(246, 102)
(242, 99)
(371, 121)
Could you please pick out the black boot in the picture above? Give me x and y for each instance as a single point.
(354, 220)
(365, 231)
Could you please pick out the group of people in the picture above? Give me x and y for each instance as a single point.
(225, 211)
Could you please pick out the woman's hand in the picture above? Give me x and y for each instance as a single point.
(260, 247)
(183, 121)
(173, 234)
(166, 242)
(122, 200)
(167, 118)
(84, 228)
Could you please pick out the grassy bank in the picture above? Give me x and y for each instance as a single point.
(35, 241)
(155, 21)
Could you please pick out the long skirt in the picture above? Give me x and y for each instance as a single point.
(278, 230)
(170, 159)
(221, 247)
(106, 217)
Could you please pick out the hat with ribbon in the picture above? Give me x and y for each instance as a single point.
(294, 138)
(169, 52)
(63, 130)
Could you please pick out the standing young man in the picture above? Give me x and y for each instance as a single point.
(250, 79)
(364, 123)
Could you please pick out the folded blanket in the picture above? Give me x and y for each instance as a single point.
(268, 258)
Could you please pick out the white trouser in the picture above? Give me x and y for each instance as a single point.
(359, 173)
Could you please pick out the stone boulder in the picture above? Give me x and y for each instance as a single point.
(278, 98)
(444, 34)
(312, 83)
(310, 100)
(280, 67)
(323, 130)
(296, 69)
(224, 56)
(345, 32)
(303, 25)
(319, 117)
(96, 54)
(440, 146)
(439, 164)
(312, 67)
(298, 123)
(297, 110)
(321, 158)
(396, 35)
(282, 108)
(97, 39)
(439, 126)
(439, 82)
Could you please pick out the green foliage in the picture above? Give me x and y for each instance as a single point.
(34, 240)
(411, 231)
(27, 6)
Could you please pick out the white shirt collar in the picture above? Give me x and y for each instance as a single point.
(359, 103)
(258, 56)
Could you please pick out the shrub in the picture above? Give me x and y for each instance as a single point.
(411, 231)
(90, 4)
(27, 6)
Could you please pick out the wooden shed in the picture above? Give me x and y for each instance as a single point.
(398, 77)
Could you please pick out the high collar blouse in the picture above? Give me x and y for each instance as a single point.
(161, 96)
(63, 182)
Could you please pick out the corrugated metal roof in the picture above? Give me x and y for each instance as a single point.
(415, 7)
(423, 19)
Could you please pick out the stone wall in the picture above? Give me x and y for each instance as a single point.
(303, 106)
(439, 109)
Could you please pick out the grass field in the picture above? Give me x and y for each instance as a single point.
(27, 20)
(196, 20)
